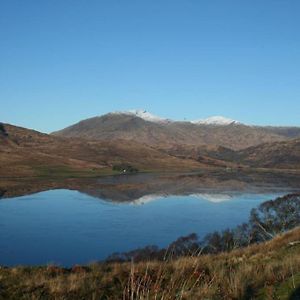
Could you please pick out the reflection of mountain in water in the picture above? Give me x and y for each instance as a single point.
(216, 198)
(147, 199)
(144, 188)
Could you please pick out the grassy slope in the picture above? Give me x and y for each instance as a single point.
(26, 152)
(273, 155)
(265, 271)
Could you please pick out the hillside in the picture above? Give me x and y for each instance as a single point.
(277, 155)
(273, 155)
(266, 271)
(28, 152)
(165, 133)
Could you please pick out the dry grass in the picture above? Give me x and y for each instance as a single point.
(25, 152)
(251, 273)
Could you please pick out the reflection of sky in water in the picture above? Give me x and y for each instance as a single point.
(68, 227)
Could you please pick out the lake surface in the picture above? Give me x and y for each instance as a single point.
(69, 227)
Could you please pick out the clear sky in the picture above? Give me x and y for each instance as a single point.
(65, 60)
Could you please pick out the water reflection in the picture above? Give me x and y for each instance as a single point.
(142, 188)
(74, 220)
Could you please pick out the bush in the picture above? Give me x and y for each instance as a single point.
(3, 130)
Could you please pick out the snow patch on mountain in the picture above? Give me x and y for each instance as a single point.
(216, 120)
(145, 115)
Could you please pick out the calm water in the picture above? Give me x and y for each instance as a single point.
(68, 227)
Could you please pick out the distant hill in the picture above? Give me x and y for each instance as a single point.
(25, 152)
(130, 142)
(273, 155)
(278, 155)
(153, 131)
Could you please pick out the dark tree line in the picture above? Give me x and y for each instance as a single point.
(265, 222)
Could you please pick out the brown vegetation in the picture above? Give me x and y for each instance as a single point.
(266, 271)
(26, 152)
(275, 155)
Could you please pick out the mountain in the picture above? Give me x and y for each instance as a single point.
(152, 131)
(114, 126)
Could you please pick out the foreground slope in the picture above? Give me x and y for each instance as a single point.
(266, 271)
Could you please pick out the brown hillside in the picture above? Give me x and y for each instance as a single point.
(130, 127)
(28, 152)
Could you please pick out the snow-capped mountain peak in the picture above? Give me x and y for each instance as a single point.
(145, 115)
(216, 120)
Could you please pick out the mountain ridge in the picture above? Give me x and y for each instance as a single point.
(210, 120)
(131, 126)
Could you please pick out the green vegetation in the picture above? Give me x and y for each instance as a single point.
(289, 287)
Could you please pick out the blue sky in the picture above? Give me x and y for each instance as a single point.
(65, 60)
